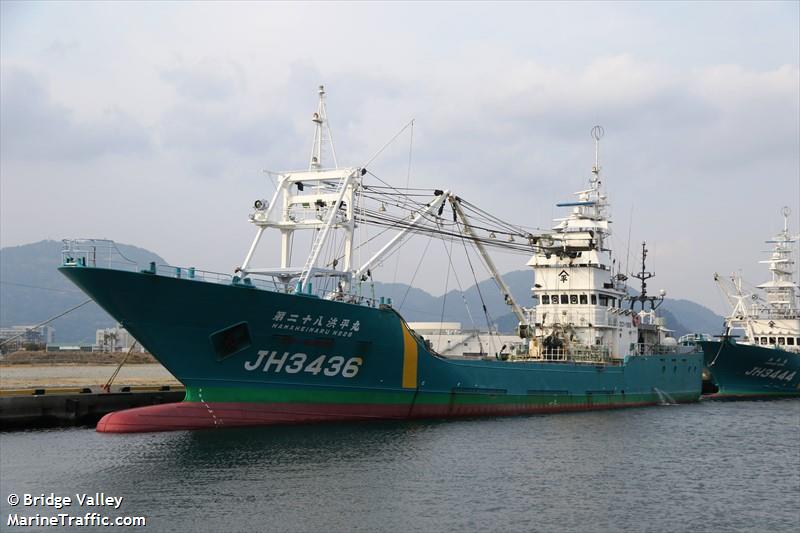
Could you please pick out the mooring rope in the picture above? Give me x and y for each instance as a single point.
(44, 323)
(107, 386)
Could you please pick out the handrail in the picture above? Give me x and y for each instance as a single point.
(655, 349)
(577, 353)
(104, 253)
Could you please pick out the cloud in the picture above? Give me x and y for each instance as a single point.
(700, 106)
(59, 49)
(34, 127)
(209, 80)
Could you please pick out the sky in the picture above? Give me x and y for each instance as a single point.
(151, 123)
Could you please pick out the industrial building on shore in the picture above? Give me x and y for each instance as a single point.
(33, 338)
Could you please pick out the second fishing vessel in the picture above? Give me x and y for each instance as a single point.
(759, 354)
(302, 343)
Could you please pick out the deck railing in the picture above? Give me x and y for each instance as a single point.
(577, 353)
(655, 349)
(103, 253)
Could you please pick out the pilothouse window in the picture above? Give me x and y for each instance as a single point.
(583, 299)
(781, 341)
(772, 340)
(554, 299)
(573, 298)
(594, 299)
(790, 341)
(545, 299)
(564, 299)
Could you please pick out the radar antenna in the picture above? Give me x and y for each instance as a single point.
(643, 276)
(786, 212)
(597, 134)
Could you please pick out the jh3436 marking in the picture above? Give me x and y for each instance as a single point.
(330, 366)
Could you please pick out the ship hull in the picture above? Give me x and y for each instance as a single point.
(743, 371)
(253, 357)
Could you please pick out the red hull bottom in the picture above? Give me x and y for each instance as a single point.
(197, 415)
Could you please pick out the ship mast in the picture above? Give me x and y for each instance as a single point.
(322, 133)
(781, 291)
(643, 276)
(318, 199)
(597, 133)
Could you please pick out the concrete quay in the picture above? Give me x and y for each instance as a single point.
(35, 396)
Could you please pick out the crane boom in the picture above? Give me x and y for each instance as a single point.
(487, 260)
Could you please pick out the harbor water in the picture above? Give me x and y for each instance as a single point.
(721, 466)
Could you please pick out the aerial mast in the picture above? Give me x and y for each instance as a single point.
(643, 276)
(597, 134)
(322, 133)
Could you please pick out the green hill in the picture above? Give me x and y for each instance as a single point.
(32, 290)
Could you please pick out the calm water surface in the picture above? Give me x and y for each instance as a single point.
(718, 466)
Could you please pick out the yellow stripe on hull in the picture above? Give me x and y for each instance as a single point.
(409, 359)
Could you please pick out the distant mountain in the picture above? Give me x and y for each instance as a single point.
(685, 316)
(32, 290)
(418, 306)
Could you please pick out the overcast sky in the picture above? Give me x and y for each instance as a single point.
(150, 123)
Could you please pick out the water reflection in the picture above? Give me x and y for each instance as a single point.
(638, 469)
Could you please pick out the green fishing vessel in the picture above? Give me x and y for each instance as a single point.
(311, 343)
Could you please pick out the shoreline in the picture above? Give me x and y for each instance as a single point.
(74, 358)
(20, 376)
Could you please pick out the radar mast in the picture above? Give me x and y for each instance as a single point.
(322, 134)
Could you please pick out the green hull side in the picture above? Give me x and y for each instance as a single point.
(744, 371)
(421, 399)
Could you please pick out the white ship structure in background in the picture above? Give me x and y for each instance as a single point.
(759, 354)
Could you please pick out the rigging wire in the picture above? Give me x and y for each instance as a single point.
(411, 283)
(410, 149)
(395, 189)
(446, 283)
(45, 322)
(404, 128)
(480, 294)
(463, 296)
(396, 223)
(37, 287)
(495, 225)
(408, 179)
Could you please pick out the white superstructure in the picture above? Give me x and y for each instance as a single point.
(582, 310)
